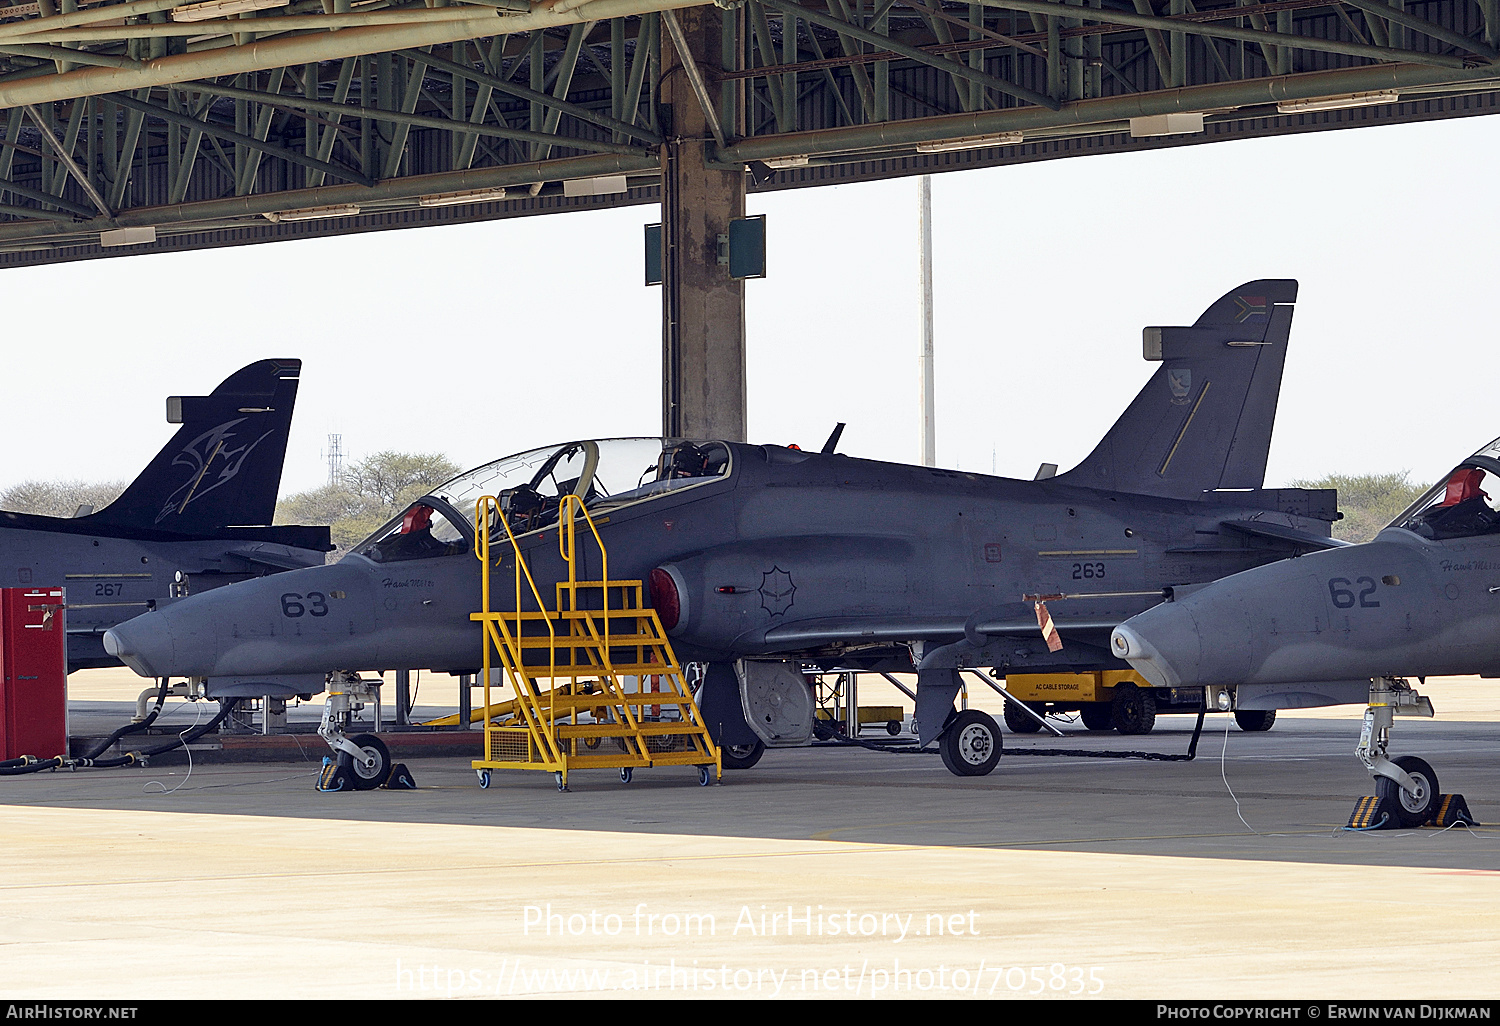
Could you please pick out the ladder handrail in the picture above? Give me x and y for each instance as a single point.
(482, 541)
(567, 547)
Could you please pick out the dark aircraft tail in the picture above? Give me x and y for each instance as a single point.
(1204, 419)
(223, 467)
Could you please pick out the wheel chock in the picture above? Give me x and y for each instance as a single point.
(335, 776)
(1372, 812)
(1452, 810)
(400, 779)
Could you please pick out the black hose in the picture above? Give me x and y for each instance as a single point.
(30, 764)
(829, 737)
(183, 739)
(132, 728)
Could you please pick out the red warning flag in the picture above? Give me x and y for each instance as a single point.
(1049, 629)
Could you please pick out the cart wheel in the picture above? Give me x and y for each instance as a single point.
(893, 727)
(591, 742)
(705, 776)
(484, 779)
(561, 785)
(625, 774)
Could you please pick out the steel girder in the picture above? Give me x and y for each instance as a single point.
(208, 125)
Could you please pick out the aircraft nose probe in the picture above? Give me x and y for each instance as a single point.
(1126, 644)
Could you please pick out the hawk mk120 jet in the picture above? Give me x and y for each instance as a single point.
(189, 520)
(1349, 625)
(763, 558)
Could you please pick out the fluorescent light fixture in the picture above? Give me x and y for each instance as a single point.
(313, 213)
(801, 160)
(970, 142)
(605, 186)
(223, 9)
(127, 237)
(454, 199)
(1166, 124)
(1344, 101)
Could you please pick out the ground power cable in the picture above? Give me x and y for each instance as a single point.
(829, 737)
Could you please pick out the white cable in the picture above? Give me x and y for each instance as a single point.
(185, 747)
(1223, 773)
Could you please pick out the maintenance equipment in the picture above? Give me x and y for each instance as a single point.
(596, 637)
(1120, 700)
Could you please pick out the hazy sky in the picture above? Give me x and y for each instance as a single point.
(482, 340)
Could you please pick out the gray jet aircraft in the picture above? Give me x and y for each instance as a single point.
(762, 559)
(183, 522)
(1348, 626)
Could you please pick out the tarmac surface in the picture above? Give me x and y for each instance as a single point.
(825, 872)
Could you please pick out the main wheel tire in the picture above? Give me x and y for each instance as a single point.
(1133, 709)
(1096, 715)
(1412, 809)
(367, 778)
(741, 757)
(1017, 720)
(971, 744)
(1255, 720)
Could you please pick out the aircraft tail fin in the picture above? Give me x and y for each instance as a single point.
(1204, 420)
(223, 466)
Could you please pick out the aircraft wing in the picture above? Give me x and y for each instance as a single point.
(905, 628)
(1028, 626)
(1280, 532)
(257, 556)
(822, 631)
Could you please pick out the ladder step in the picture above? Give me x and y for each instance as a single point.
(608, 761)
(545, 702)
(623, 729)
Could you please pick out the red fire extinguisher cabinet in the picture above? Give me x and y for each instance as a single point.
(33, 656)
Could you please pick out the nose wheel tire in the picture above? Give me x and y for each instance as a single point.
(1412, 808)
(739, 757)
(370, 771)
(970, 745)
(1252, 721)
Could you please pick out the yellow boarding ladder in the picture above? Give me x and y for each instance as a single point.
(584, 655)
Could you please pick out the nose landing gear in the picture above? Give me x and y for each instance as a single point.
(361, 762)
(1406, 788)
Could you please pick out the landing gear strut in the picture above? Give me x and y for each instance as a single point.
(361, 762)
(1408, 782)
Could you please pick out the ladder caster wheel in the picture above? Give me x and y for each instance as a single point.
(484, 779)
(625, 774)
(561, 785)
(705, 776)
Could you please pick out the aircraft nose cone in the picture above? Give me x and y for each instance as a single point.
(1163, 644)
(1128, 644)
(140, 644)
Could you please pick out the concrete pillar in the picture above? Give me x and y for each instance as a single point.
(703, 309)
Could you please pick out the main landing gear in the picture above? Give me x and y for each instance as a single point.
(1406, 788)
(970, 744)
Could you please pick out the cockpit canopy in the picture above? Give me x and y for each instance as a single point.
(605, 474)
(1464, 504)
